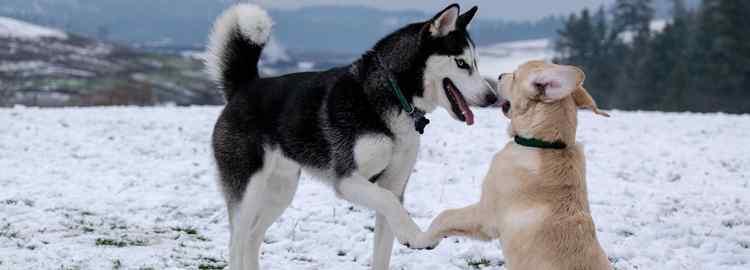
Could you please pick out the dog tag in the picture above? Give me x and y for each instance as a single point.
(420, 123)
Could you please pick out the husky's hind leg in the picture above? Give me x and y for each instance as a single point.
(269, 193)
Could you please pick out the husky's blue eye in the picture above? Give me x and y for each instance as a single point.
(460, 63)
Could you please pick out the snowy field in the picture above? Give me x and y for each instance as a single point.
(134, 188)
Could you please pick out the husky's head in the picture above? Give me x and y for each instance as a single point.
(451, 74)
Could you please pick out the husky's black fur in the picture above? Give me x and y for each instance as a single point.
(314, 118)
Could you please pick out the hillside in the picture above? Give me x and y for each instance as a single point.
(162, 24)
(134, 188)
(48, 67)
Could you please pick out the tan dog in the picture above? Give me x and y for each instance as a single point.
(534, 197)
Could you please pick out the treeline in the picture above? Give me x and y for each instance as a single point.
(491, 32)
(698, 61)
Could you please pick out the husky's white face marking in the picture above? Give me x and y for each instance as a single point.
(462, 72)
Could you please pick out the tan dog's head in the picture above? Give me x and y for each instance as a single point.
(542, 98)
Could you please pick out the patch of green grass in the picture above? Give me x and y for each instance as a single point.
(5, 231)
(66, 83)
(478, 264)
(205, 266)
(25, 202)
(186, 230)
(209, 263)
(202, 238)
(119, 243)
(191, 232)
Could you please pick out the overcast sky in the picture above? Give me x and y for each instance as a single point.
(507, 9)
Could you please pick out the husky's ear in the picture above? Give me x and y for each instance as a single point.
(444, 22)
(585, 101)
(465, 20)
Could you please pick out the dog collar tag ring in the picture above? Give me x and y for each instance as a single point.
(421, 123)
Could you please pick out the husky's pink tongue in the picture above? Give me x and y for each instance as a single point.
(468, 115)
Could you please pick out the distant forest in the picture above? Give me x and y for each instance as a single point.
(699, 61)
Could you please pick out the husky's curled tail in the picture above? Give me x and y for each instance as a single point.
(235, 46)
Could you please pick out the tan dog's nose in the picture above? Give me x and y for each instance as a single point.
(492, 100)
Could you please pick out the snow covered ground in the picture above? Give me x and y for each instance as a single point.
(134, 188)
(18, 29)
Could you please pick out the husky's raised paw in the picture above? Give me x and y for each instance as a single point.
(423, 241)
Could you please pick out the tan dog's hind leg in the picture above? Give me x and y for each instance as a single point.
(466, 221)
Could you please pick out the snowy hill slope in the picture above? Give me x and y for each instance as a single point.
(134, 188)
(14, 28)
(506, 57)
(47, 67)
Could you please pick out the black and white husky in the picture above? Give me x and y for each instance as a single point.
(348, 125)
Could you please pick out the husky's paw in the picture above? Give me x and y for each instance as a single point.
(423, 241)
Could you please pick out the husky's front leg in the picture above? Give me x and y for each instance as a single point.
(360, 191)
(394, 181)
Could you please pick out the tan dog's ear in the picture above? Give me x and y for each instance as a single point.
(585, 101)
(556, 82)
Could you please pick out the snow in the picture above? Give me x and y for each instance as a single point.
(667, 191)
(12, 28)
(305, 65)
(656, 26)
(275, 52)
(506, 57)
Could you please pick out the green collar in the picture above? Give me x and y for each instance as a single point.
(420, 121)
(400, 95)
(537, 143)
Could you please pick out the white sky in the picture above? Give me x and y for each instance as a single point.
(505, 9)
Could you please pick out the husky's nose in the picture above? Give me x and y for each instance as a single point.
(500, 78)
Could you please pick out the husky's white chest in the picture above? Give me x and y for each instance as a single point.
(405, 136)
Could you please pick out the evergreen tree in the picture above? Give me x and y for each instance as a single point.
(574, 42)
(631, 18)
(601, 66)
(674, 44)
(634, 16)
(700, 61)
(722, 55)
